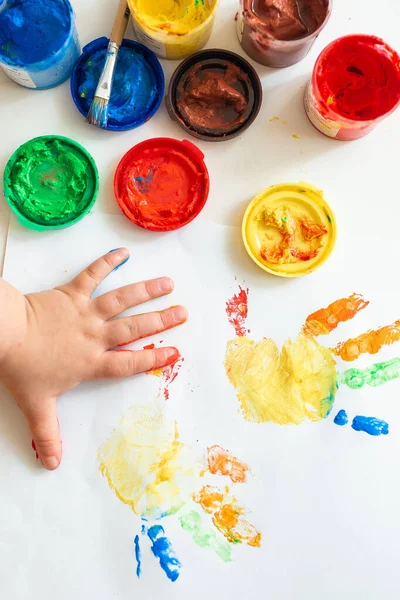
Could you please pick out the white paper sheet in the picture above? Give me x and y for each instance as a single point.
(325, 498)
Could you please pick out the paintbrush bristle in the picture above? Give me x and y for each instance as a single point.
(98, 112)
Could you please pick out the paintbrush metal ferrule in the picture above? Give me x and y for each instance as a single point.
(104, 86)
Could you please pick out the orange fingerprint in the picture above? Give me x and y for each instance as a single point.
(368, 343)
(325, 320)
(230, 522)
(210, 498)
(221, 462)
(227, 516)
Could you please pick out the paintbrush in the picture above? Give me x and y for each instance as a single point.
(98, 112)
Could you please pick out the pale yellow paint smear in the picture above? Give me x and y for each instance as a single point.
(146, 465)
(298, 383)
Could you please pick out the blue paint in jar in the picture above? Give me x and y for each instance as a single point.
(39, 43)
(138, 85)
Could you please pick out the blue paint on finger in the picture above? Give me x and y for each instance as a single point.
(163, 550)
(341, 418)
(370, 425)
(138, 555)
(123, 262)
(121, 265)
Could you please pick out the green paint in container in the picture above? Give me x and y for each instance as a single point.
(50, 182)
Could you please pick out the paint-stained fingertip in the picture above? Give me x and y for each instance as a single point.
(170, 355)
(123, 254)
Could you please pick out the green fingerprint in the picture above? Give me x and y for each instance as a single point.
(375, 375)
(206, 538)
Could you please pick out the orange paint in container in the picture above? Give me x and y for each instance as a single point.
(162, 184)
(355, 85)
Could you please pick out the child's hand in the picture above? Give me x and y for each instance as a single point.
(63, 337)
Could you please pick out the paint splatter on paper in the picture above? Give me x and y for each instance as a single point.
(162, 549)
(285, 386)
(370, 425)
(300, 381)
(368, 343)
(204, 537)
(153, 472)
(146, 465)
(167, 376)
(237, 311)
(375, 375)
(325, 320)
(138, 556)
(222, 462)
(341, 418)
(227, 516)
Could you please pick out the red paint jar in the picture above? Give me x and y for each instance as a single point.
(279, 36)
(355, 85)
(162, 184)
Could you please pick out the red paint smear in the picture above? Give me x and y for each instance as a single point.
(169, 374)
(237, 311)
(149, 347)
(34, 448)
(162, 184)
(357, 80)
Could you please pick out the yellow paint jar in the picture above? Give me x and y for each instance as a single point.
(289, 230)
(173, 28)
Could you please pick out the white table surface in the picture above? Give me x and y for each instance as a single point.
(359, 178)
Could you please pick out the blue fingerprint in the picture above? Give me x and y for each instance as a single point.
(370, 425)
(162, 550)
(138, 555)
(341, 418)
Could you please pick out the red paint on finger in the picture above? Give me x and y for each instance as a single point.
(34, 448)
(170, 373)
(149, 347)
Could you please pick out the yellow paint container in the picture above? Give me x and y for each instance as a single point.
(173, 29)
(289, 230)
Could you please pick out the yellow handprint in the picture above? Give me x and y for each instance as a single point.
(153, 472)
(300, 381)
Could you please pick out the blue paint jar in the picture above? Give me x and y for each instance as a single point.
(39, 43)
(138, 85)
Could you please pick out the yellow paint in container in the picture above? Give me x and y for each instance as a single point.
(289, 229)
(173, 28)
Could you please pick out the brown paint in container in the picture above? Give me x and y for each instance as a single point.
(214, 95)
(280, 33)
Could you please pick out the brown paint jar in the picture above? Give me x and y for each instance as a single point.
(214, 95)
(280, 36)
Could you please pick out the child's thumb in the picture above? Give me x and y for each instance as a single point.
(46, 434)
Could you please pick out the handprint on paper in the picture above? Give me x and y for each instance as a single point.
(301, 381)
(158, 476)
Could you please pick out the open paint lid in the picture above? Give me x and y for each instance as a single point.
(214, 95)
(50, 182)
(138, 83)
(289, 229)
(162, 184)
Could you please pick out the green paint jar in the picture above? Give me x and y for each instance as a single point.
(50, 182)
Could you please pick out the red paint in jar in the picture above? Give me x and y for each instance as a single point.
(162, 184)
(280, 33)
(355, 85)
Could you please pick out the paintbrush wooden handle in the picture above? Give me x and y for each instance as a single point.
(120, 23)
